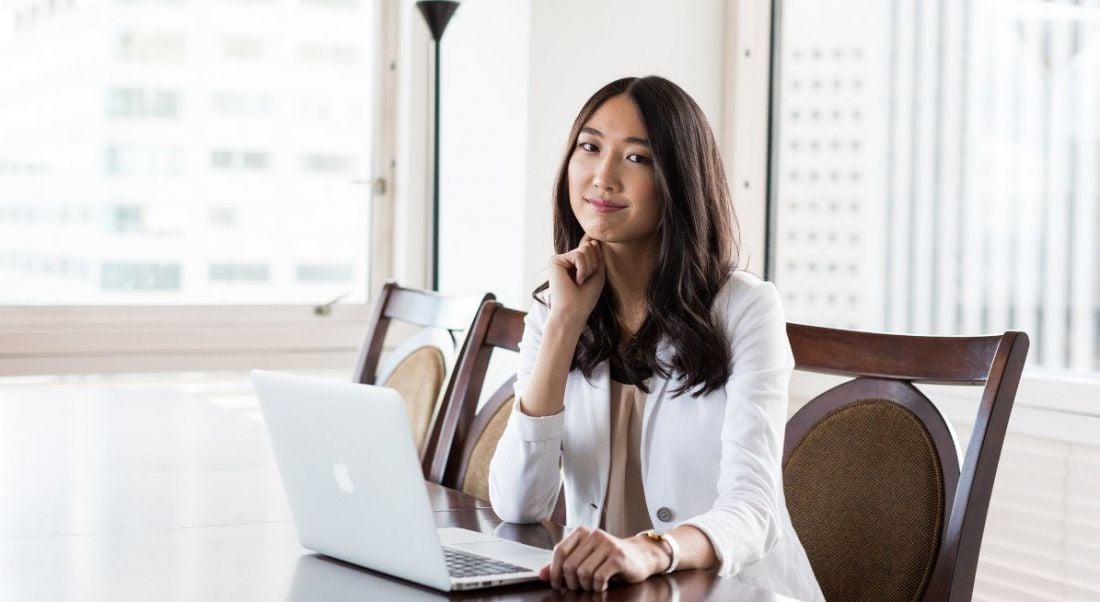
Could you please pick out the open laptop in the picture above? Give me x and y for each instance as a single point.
(352, 477)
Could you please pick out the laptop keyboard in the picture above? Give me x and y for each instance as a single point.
(464, 564)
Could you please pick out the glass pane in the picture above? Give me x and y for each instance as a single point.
(938, 170)
(185, 151)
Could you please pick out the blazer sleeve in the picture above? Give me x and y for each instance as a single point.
(744, 523)
(525, 473)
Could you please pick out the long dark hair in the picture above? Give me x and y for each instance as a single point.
(697, 245)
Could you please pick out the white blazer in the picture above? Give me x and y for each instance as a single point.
(713, 462)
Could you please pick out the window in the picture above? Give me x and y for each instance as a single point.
(936, 170)
(254, 160)
(239, 272)
(128, 102)
(139, 160)
(151, 47)
(324, 273)
(169, 185)
(140, 276)
(243, 47)
(124, 218)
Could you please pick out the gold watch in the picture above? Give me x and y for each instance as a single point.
(673, 548)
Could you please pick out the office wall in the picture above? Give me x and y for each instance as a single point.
(516, 72)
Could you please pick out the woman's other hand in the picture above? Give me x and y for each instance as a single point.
(576, 280)
(588, 559)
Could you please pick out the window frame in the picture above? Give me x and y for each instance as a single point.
(73, 339)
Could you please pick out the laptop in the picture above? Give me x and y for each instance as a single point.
(353, 481)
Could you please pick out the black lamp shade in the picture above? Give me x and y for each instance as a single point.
(437, 13)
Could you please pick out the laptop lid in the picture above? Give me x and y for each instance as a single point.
(350, 470)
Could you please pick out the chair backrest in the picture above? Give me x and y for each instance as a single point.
(870, 467)
(422, 363)
(465, 437)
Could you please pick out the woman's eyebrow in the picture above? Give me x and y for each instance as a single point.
(630, 139)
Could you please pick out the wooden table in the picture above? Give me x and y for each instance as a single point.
(148, 494)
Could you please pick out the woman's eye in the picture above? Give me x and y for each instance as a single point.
(587, 146)
(638, 158)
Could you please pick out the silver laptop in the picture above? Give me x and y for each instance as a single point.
(353, 480)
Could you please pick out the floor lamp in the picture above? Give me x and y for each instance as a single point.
(437, 13)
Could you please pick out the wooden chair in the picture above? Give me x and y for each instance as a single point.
(870, 467)
(422, 363)
(466, 438)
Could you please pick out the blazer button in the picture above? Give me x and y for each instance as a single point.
(664, 515)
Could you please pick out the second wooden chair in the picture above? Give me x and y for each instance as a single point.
(420, 365)
(466, 437)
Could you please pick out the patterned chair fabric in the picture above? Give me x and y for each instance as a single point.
(476, 480)
(419, 378)
(865, 491)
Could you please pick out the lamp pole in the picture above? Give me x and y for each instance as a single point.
(436, 13)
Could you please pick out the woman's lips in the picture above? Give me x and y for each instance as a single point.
(603, 206)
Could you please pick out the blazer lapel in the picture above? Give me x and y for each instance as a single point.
(657, 386)
(599, 423)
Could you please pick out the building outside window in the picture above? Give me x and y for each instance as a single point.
(179, 115)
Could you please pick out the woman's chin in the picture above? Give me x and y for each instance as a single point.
(597, 236)
(601, 232)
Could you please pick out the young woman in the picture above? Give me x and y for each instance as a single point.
(652, 373)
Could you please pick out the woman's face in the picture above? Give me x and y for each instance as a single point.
(612, 187)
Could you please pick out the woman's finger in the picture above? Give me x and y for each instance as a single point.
(586, 571)
(576, 557)
(597, 252)
(561, 551)
(565, 260)
(607, 570)
(583, 261)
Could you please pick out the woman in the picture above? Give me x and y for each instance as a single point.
(652, 374)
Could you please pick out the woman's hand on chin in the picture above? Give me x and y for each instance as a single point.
(576, 280)
(588, 559)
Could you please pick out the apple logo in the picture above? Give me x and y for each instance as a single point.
(343, 476)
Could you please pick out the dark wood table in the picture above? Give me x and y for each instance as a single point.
(148, 494)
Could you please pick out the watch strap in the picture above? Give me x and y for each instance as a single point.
(673, 548)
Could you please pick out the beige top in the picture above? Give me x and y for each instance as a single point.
(625, 512)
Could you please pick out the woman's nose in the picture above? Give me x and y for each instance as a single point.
(604, 177)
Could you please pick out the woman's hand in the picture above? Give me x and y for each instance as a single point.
(589, 558)
(576, 280)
